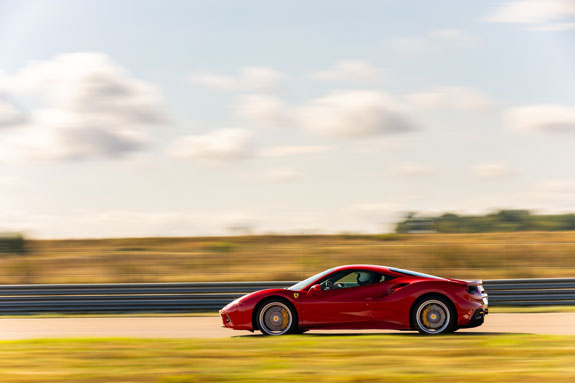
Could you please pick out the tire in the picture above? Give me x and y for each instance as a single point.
(276, 317)
(434, 315)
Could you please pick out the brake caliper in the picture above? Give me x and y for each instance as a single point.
(285, 318)
(424, 316)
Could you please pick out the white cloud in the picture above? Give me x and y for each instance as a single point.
(435, 40)
(558, 186)
(254, 78)
(282, 175)
(412, 45)
(371, 217)
(371, 209)
(412, 169)
(541, 118)
(88, 107)
(215, 81)
(289, 151)
(450, 98)
(278, 175)
(57, 135)
(89, 84)
(338, 114)
(218, 146)
(364, 217)
(261, 77)
(353, 114)
(493, 170)
(537, 14)
(12, 183)
(265, 109)
(350, 70)
(555, 27)
(10, 114)
(552, 195)
(123, 223)
(454, 36)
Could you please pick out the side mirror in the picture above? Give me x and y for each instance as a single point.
(314, 289)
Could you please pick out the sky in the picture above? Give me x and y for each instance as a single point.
(180, 118)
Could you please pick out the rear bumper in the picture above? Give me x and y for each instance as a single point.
(472, 310)
(477, 318)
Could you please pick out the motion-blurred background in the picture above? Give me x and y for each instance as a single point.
(270, 139)
(243, 141)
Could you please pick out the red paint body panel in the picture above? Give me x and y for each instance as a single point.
(383, 305)
(341, 307)
(240, 311)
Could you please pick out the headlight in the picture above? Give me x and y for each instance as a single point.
(231, 304)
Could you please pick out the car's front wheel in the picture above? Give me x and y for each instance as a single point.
(276, 318)
(434, 316)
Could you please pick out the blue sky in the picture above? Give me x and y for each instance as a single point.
(139, 118)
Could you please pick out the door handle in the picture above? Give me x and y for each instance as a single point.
(369, 298)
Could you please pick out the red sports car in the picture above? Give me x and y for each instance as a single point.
(362, 297)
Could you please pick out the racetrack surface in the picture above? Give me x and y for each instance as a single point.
(210, 327)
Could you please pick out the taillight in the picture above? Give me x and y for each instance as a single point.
(473, 289)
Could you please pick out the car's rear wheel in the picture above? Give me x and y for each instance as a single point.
(434, 316)
(276, 318)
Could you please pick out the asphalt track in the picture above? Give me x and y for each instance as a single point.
(209, 327)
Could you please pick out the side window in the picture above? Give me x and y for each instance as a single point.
(349, 279)
(385, 278)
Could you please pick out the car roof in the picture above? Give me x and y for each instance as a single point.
(376, 268)
(388, 270)
(398, 273)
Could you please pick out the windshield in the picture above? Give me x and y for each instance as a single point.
(305, 282)
(413, 273)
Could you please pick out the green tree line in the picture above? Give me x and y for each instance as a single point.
(501, 221)
(12, 243)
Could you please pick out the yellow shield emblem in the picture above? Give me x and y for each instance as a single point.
(295, 295)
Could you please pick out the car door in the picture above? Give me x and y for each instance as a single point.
(387, 306)
(348, 306)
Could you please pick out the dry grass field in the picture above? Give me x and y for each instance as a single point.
(273, 257)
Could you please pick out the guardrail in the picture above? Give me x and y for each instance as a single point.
(531, 292)
(190, 297)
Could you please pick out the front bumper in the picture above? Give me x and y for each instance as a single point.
(236, 317)
(225, 319)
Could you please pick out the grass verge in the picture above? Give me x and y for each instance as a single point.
(317, 358)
